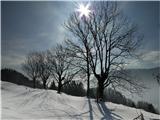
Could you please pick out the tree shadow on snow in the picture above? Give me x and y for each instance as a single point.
(90, 109)
(81, 115)
(107, 114)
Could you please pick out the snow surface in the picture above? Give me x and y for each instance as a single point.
(20, 102)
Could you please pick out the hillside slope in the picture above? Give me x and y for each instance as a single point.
(16, 77)
(147, 78)
(19, 102)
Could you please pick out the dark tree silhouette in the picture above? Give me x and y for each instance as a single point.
(146, 106)
(13, 76)
(43, 68)
(81, 56)
(108, 38)
(61, 67)
(53, 86)
(74, 88)
(31, 67)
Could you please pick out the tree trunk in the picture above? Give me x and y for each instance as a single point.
(88, 75)
(100, 90)
(88, 84)
(59, 87)
(44, 84)
(34, 83)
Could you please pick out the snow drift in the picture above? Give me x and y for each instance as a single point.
(20, 102)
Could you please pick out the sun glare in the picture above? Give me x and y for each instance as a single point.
(84, 10)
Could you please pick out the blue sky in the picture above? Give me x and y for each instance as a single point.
(37, 26)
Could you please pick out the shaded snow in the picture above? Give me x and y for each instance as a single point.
(20, 102)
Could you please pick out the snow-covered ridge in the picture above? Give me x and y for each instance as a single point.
(20, 102)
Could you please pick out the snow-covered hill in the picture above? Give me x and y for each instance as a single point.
(20, 102)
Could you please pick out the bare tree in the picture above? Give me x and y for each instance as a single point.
(80, 55)
(43, 68)
(108, 38)
(61, 67)
(31, 67)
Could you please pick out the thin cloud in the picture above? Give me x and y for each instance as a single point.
(148, 59)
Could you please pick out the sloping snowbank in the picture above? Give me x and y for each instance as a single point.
(20, 102)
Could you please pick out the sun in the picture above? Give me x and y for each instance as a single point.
(84, 10)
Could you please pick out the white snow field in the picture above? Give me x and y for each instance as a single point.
(20, 102)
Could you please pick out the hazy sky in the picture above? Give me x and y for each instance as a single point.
(30, 26)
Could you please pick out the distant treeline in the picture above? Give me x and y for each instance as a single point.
(16, 77)
(114, 96)
(76, 88)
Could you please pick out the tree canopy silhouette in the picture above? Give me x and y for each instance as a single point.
(107, 38)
